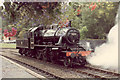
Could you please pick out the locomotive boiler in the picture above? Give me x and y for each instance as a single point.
(52, 43)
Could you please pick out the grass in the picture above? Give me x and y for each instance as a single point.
(8, 45)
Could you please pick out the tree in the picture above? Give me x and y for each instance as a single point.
(101, 20)
(29, 14)
(94, 20)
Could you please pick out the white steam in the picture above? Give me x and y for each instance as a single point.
(1, 2)
(106, 55)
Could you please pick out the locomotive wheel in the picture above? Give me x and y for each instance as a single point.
(38, 55)
(67, 62)
(32, 52)
(82, 61)
(20, 51)
(52, 59)
(23, 52)
(44, 57)
(53, 56)
(82, 64)
(29, 53)
(26, 53)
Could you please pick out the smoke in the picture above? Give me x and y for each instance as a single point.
(1, 3)
(106, 55)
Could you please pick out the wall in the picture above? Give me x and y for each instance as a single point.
(93, 43)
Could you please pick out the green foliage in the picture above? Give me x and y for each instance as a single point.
(8, 45)
(29, 14)
(93, 24)
(82, 32)
(101, 20)
(22, 33)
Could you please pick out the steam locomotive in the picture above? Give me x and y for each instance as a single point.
(53, 44)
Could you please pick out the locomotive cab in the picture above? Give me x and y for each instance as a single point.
(35, 36)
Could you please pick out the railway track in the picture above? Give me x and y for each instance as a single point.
(102, 70)
(97, 73)
(88, 70)
(59, 71)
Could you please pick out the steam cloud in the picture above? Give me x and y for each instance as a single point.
(106, 55)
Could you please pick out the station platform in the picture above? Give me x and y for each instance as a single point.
(10, 69)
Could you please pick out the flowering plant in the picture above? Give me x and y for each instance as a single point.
(10, 34)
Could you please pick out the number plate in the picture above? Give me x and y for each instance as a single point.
(73, 34)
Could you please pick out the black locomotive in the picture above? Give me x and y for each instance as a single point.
(53, 44)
